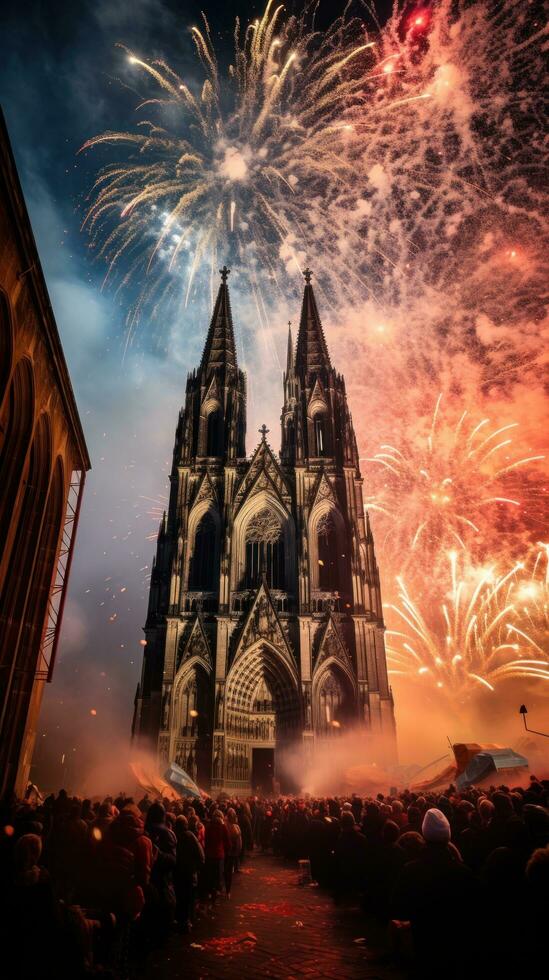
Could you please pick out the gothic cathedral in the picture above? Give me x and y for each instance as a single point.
(264, 626)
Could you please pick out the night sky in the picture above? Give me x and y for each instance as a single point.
(62, 81)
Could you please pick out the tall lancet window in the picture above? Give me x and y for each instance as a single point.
(331, 705)
(214, 441)
(264, 551)
(202, 565)
(193, 705)
(328, 555)
(321, 435)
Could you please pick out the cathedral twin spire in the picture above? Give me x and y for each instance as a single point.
(315, 416)
(312, 356)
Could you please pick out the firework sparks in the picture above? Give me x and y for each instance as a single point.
(392, 156)
(156, 513)
(233, 169)
(440, 493)
(490, 627)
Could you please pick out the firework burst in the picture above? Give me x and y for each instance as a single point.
(453, 486)
(390, 157)
(232, 169)
(489, 627)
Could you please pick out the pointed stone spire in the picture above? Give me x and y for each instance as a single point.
(312, 352)
(290, 354)
(220, 347)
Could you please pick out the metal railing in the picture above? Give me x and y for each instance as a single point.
(58, 593)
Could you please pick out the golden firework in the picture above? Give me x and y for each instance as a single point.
(489, 626)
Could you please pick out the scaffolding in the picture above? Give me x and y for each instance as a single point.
(58, 593)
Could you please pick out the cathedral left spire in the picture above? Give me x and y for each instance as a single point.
(220, 348)
(212, 424)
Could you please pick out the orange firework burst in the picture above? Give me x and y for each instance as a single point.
(489, 627)
(439, 494)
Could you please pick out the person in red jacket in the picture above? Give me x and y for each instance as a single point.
(127, 864)
(217, 846)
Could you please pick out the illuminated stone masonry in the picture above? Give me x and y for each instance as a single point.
(265, 626)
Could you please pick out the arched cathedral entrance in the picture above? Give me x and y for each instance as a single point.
(262, 718)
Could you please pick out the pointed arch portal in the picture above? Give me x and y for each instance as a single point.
(263, 716)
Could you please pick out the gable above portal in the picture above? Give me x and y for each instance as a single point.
(262, 623)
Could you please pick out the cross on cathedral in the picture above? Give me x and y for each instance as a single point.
(308, 275)
(224, 273)
(263, 432)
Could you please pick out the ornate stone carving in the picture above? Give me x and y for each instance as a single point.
(325, 524)
(264, 474)
(196, 645)
(263, 624)
(206, 490)
(262, 483)
(323, 490)
(331, 645)
(264, 526)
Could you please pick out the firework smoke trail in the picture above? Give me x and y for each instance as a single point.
(489, 627)
(463, 486)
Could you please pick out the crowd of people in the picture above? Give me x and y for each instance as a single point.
(458, 881)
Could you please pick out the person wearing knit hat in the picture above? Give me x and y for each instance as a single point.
(440, 897)
(435, 827)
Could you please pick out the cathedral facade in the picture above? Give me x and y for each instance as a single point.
(265, 627)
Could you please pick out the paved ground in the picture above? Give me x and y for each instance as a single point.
(273, 927)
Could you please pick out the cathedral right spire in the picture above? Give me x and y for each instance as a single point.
(312, 355)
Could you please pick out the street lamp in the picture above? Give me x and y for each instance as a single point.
(523, 710)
